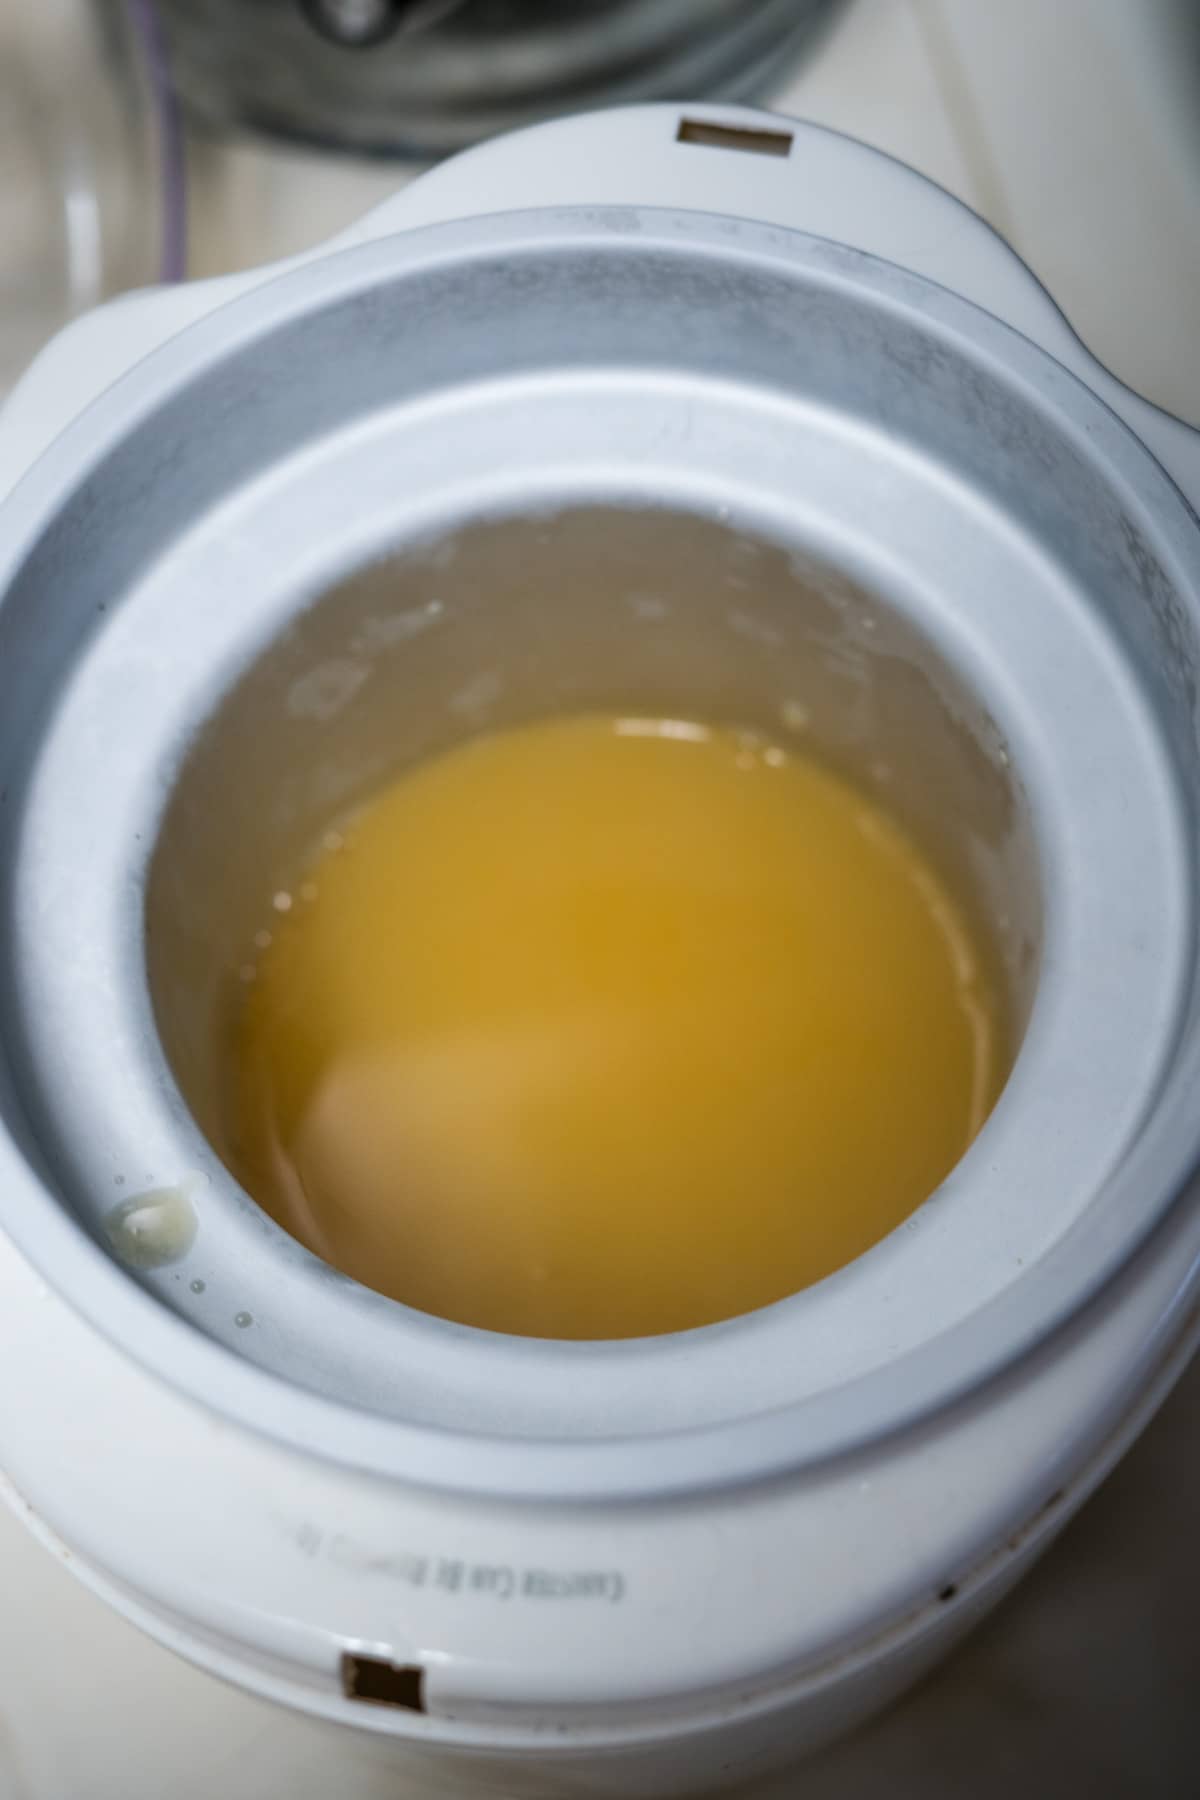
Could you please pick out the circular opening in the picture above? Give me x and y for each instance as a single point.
(714, 384)
(592, 610)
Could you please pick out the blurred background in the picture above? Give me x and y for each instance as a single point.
(142, 143)
(140, 138)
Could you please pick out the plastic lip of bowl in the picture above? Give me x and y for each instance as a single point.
(929, 1375)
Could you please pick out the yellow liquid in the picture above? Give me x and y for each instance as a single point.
(608, 1027)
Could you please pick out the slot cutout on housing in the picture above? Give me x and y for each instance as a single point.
(733, 137)
(382, 1683)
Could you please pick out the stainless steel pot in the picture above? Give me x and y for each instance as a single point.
(427, 78)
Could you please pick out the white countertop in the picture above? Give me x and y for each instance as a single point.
(1074, 125)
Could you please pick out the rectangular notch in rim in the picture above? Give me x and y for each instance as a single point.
(383, 1683)
(733, 137)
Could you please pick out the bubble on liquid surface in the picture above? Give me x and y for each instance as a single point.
(158, 1227)
(242, 1319)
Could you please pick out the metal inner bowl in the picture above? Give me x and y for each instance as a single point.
(634, 459)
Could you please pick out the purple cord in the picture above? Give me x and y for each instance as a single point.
(148, 30)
